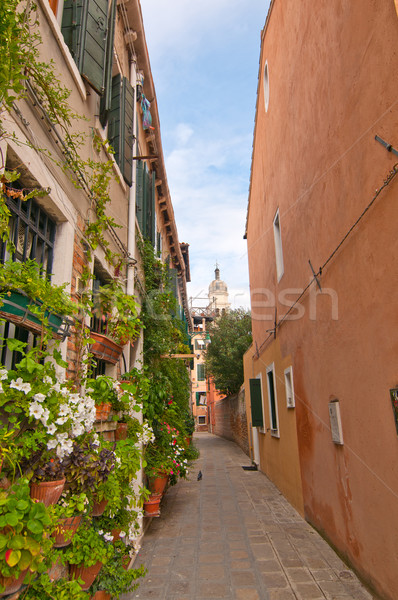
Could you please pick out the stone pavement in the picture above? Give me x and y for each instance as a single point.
(233, 535)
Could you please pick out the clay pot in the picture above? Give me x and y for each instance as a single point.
(99, 507)
(87, 574)
(102, 411)
(101, 595)
(152, 506)
(65, 531)
(121, 431)
(48, 492)
(12, 584)
(158, 483)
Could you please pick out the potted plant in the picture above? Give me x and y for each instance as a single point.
(23, 536)
(48, 480)
(120, 311)
(87, 467)
(67, 515)
(102, 390)
(46, 589)
(44, 414)
(87, 553)
(114, 578)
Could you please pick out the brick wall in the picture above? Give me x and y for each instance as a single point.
(230, 420)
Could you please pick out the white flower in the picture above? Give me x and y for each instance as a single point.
(45, 415)
(64, 410)
(108, 537)
(122, 534)
(61, 420)
(56, 387)
(39, 397)
(47, 379)
(36, 410)
(20, 385)
(3, 374)
(1, 388)
(51, 429)
(101, 531)
(52, 444)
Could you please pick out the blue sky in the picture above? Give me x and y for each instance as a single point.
(204, 57)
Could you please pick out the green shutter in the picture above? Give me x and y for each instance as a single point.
(173, 282)
(85, 28)
(120, 127)
(139, 195)
(127, 131)
(151, 230)
(106, 99)
(256, 403)
(201, 372)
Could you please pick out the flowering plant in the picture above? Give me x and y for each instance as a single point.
(101, 389)
(44, 412)
(69, 505)
(119, 311)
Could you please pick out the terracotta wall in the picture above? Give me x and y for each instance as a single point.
(230, 420)
(332, 88)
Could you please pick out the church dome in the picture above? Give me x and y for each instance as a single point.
(217, 285)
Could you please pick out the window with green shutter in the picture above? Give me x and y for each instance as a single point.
(256, 402)
(200, 370)
(145, 202)
(121, 125)
(106, 99)
(85, 31)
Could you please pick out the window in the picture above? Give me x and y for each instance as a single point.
(121, 130)
(200, 344)
(256, 402)
(86, 30)
(278, 246)
(200, 372)
(145, 201)
(290, 401)
(272, 403)
(202, 419)
(200, 398)
(33, 234)
(266, 87)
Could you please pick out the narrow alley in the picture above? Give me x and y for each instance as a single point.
(232, 535)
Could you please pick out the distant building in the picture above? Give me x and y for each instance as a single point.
(218, 295)
(202, 386)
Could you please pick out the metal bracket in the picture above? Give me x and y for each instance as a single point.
(386, 145)
(315, 275)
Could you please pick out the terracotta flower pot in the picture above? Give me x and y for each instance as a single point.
(101, 595)
(48, 492)
(152, 506)
(157, 484)
(87, 574)
(121, 431)
(102, 411)
(105, 349)
(99, 507)
(12, 584)
(65, 531)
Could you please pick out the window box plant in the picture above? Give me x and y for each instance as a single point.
(102, 391)
(29, 299)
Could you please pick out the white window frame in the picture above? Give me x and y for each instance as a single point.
(266, 86)
(289, 388)
(274, 432)
(280, 269)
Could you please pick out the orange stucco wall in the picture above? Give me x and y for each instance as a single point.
(278, 455)
(332, 88)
